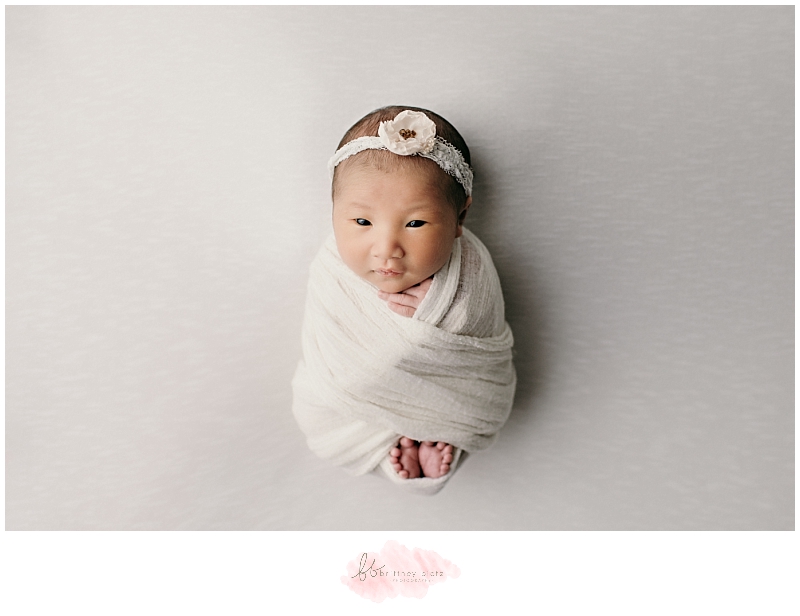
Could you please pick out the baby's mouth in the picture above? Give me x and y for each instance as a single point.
(387, 272)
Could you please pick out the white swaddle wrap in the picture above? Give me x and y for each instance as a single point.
(369, 376)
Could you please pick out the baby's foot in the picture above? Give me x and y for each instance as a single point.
(435, 458)
(405, 459)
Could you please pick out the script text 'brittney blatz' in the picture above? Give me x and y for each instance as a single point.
(398, 576)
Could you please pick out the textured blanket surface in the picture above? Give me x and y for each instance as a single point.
(369, 375)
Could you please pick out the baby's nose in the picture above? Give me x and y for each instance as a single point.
(387, 246)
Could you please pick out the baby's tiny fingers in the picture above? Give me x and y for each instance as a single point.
(403, 299)
(421, 290)
(405, 311)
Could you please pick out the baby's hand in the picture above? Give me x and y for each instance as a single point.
(405, 303)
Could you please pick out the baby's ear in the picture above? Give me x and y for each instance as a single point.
(462, 216)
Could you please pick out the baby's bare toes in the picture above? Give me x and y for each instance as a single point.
(403, 474)
(447, 458)
(440, 445)
(445, 469)
(406, 442)
(395, 453)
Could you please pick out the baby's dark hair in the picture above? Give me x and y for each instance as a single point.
(386, 161)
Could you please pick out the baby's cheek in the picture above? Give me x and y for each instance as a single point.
(441, 256)
(350, 257)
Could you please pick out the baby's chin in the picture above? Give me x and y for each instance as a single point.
(393, 285)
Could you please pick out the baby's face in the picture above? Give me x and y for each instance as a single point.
(394, 229)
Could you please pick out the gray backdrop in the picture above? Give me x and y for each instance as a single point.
(167, 188)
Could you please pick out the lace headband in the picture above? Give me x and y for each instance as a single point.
(410, 133)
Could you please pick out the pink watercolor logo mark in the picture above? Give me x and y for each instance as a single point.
(396, 570)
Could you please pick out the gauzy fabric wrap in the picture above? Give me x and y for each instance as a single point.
(369, 376)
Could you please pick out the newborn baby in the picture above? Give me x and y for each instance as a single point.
(407, 355)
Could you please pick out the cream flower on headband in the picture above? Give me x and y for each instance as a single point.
(411, 132)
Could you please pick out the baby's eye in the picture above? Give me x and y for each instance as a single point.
(363, 222)
(416, 223)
